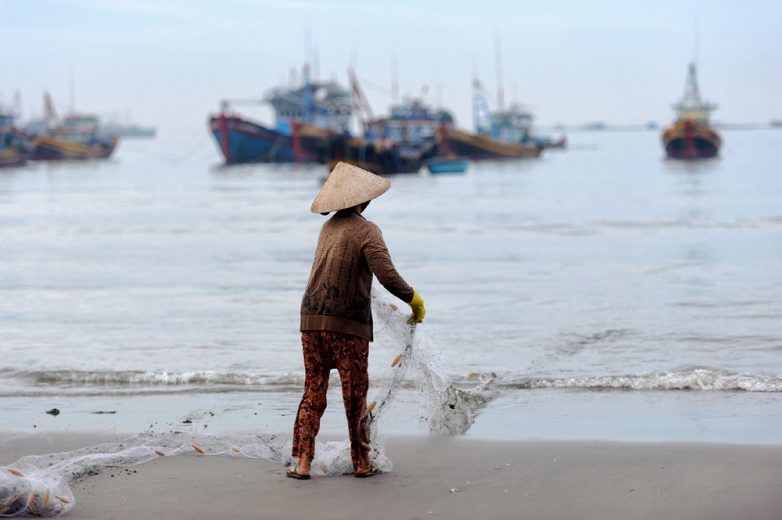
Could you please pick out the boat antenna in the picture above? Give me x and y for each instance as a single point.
(71, 95)
(307, 45)
(315, 63)
(498, 64)
(18, 104)
(394, 79)
(696, 42)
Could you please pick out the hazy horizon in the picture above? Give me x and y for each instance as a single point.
(169, 64)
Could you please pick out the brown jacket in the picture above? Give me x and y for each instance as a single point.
(350, 249)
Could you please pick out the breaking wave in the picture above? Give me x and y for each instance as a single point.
(74, 382)
(693, 379)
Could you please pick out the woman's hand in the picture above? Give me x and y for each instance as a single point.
(417, 305)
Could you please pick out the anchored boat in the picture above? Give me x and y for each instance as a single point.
(13, 147)
(323, 108)
(76, 137)
(691, 136)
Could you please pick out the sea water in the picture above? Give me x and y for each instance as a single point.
(604, 291)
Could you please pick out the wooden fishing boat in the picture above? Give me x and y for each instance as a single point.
(76, 138)
(691, 136)
(476, 146)
(13, 146)
(10, 157)
(383, 157)
(499, 134)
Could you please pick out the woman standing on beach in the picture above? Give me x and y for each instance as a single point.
(336, 315)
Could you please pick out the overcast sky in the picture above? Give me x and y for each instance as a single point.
(169, 62)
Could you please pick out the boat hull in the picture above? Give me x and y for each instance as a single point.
(480, 147)
(52, 148)
(379, 157)
(10, 157)
(687, 140)
(242, 141)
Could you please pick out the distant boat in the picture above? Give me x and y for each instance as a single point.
(128, 131)
(383, 157)
(13, 147)
(76, 137)
(442, 165)
(322, 105)
(414, 126)
(515, 125)
(477, 147)
(691, 136)
(399, 143)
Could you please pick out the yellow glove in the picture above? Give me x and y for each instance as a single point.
(417, 304)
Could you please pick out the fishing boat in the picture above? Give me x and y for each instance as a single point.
(399, 143)
(76, 137)
(691, 136)
(13, 147)
(380, 156)
(500, 134)
(316, 105)
(477, 147)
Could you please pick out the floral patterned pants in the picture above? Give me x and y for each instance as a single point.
(324, 350)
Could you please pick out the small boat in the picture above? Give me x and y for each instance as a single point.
(691, 136)
(442, 165)
(548, 143)
(317, 105)
(13, 147)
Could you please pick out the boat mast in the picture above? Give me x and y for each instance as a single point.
(498, 64)
(691, 106)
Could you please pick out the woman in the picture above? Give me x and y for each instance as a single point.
(336, 315)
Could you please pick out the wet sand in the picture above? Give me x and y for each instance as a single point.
(446, 478)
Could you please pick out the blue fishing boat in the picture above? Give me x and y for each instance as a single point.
(325, 107)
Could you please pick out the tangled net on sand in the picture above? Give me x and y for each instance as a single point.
(38, 484)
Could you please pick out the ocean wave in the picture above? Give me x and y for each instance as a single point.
(693, 379)
(45, 382)
(150, 378)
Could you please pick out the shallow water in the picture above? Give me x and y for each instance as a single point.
(158, 285)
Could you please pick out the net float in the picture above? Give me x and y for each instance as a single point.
(396, 361)
(45, 498)
(322, 466)
(64, 500)
(198, 448)
(30, 499)
(371, 407)
(14, 471)
(159, 453)
(236, 449)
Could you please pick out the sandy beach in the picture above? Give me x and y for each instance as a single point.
(444, 478)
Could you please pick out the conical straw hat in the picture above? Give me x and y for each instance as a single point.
(348, 186)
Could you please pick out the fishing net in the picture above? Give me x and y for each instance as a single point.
(404, 358)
